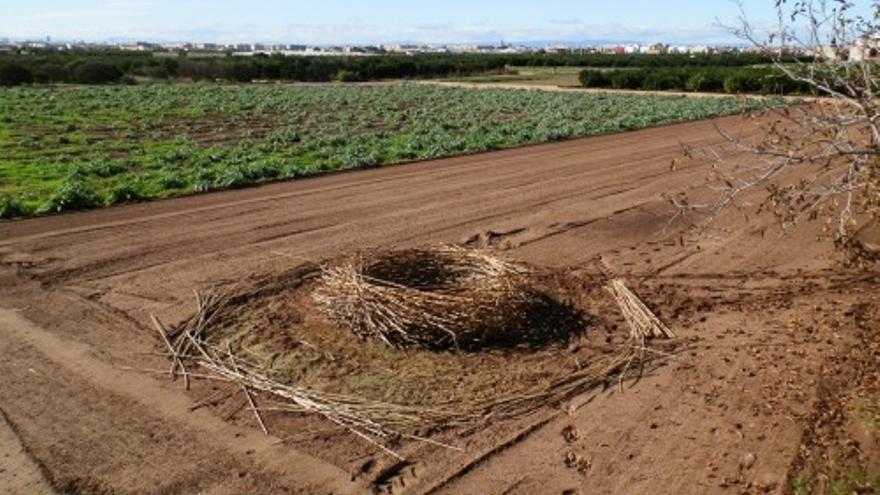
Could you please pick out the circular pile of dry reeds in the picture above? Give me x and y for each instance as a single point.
(445, 278)
(435, 298)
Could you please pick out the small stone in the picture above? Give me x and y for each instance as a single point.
(766, 482)
(747, 461)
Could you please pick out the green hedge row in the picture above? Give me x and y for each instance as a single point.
(708, 79)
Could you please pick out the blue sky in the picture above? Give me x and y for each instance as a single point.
(376, 21)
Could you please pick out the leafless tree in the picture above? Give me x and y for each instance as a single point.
(820, 159)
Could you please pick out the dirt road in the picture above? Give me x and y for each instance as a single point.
(729, 417)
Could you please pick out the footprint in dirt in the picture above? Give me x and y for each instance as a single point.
(395, 478)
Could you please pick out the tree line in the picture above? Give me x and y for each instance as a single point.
(764, 80)
(108, 66)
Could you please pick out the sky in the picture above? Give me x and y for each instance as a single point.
(378, 21)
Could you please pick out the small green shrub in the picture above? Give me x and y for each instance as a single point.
(231, 177)
(776, 84)
(77, 173)
(204, 180)
(741, 82)
(106, 168)
(72, 194)
(628, 79)
(594, 79)
(126, 191)
(705, 81)
(349, 76)
(11, 208)
(173, 180)
(97, 73)
(663, 80)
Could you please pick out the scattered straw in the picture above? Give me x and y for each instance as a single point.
(191, 347)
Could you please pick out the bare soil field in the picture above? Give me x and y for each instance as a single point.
(774, 384)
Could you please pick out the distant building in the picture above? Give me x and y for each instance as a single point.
(831, 52)
(865, 49)
(654, 49)
(140, 46)
(558, 49)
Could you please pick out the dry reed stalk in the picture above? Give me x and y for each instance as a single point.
(376, 422)
(432, 298)
(643, 323)
(382, 423)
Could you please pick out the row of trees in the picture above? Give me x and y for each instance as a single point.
(767, 80)
(14, 74)
(112, 66)
(96, 67)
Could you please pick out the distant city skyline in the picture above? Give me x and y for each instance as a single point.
(381, 22)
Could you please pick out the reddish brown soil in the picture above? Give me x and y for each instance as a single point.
(765, 318)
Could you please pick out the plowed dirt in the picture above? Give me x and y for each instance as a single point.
(762, 314)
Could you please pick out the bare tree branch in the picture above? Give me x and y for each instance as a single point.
(821, 159)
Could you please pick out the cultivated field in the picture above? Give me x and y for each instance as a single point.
(71, 148)
(772, 368)
(532, 76)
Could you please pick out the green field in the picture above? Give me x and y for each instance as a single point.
(533, 76)
(79, 147)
